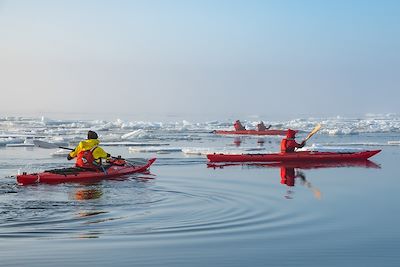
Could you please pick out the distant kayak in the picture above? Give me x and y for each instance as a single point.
(81, 175)
(306, 156)
(252, 132)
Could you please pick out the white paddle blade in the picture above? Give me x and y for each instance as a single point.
(44, 144)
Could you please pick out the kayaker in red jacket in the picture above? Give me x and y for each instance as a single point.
(288, 144)
(238, 126)
(261, 126)
(88, 153)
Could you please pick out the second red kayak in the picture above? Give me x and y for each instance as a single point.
(81, 175)
(253, 132)
(294, 157)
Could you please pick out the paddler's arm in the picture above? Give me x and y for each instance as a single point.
(302, 144)
(100, 153)
(74, 152)
(297, 145)
(69, 156)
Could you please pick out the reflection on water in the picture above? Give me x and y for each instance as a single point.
(86, 194)
(300, 164)
(237, 141)
(288, 177)
(260, 141)
(90, 213)
(291, 171)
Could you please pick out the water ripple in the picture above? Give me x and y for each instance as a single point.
(167, 207)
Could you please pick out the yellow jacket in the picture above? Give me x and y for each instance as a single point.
(87, 145)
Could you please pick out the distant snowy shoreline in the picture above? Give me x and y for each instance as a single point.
(370, 123)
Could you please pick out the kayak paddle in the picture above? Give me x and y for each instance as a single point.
(44, 144)
(314, 131)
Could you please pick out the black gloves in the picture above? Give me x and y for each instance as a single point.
(69, 157)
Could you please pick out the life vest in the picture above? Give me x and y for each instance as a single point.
(288, 145)
(86, 160)
(283, 145)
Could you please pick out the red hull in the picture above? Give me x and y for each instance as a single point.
(306, 156)
(253, 132)
(113, 171)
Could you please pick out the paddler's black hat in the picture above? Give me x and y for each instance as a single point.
(92, 135)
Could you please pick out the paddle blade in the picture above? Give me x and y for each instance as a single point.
(314, 131)
(44, 144)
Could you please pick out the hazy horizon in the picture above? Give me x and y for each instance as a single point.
(199, 58)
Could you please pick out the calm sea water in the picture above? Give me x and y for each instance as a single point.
(186, 213)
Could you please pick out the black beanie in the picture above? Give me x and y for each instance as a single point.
(92, 135)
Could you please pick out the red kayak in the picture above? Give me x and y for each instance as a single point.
(306, 156)
(82, 175)
(253, 132)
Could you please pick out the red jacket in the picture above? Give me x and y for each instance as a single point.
(238, 126)
(288, 144)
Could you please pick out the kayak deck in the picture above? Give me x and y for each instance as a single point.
(79, 175)
(303, 156)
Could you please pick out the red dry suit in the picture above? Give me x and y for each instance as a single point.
(288, 144)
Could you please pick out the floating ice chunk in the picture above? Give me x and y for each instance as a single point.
(60, 153)
(330, 149)
(10, 140)
(394, 142)
(135, 135)
(26, 143)
(157, 149)
(128, 143)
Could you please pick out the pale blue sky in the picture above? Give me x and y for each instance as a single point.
(219, 58)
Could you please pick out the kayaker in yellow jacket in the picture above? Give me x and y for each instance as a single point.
(88, 153)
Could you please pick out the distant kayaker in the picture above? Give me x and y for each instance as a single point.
(288, 144)
(88, 153)
(238, 126)
(261, 126)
